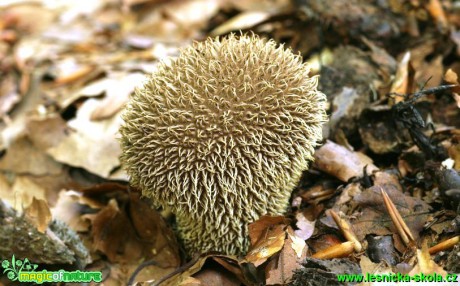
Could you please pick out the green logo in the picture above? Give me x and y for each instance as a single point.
(24, 271)
(13, 269)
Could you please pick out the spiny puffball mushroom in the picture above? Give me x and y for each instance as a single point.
(221, 135)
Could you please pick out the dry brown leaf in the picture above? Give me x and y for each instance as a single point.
(374, 218)
(111, 231)
(117, 91)
(242, 21)
(9, 94)
(454, 153)
(46, 132)
(305, 226)
(90, 145)
(68, 210)
(129, 237)
(38, 213)
(150, 227)
(216, 276)
(386, 179)
(20, 191)
(297, 243)
(184, 275)
(130, 3)
(191, 281)
(191, 13)
(258, 228)
(15, 127)
(22, 157)
(403, 82)
(280, 269)
(386, 63)
(348, 193)
(29, 18)
(367, 266)
(317, 193)
(434, 7)
(267, 238)
(174, 20)
(129, 232)
(367, 214)
(93, 89)
(69, 71)
(342, 163)
(117, 274)
(33, 50)
(232, 264)
(430, 73)
(451, 77)
(425, 264)
(271, 6)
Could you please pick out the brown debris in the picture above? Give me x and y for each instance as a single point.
(342, 163)
(399, 223)
(336, 251)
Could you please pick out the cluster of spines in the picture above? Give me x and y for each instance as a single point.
(221, 135)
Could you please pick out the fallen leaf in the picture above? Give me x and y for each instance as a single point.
(425, 263)
(368, 266)
(269, 243)
(214, 275)
(305, 226)
(436, 10)
(404, 78)
(258, 228)
(30, 18)
(316, 272)
(231, 264)
(273, 7)
(116, 95)
(69, 210)
(191, 281)
(91, 145)
(20, 191)
(374, 219)
(69, 71)
(451, 77)
(280, 269)
(39, 214)
(174, 21)
(9, 94)
(182, 276)
(341, 162)
(244, 20)
(46, 132)
(22, 157)
(111, 231)
(297, 243)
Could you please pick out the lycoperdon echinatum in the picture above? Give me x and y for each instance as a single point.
(221, 135)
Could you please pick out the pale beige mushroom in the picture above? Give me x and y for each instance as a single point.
(221, 135)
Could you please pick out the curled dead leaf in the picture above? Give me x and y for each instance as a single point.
(39, 214)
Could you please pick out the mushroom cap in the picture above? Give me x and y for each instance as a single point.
(221, 135)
